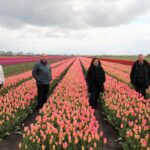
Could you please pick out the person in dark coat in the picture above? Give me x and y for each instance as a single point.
(42, 74)
(95, 80)
(140, 75)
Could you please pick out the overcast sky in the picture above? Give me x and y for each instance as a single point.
(75, 26)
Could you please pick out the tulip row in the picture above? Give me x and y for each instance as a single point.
(19, 101)
(18, 60)
(119, 61)
(111, 70)
(128, 112)
(20, 78)
(120, 72)
(120, 67)
(66, 121)
(120, 75)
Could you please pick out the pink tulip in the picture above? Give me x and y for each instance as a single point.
(104, 140)
(67, 115)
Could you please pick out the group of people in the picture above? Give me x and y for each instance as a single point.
(139, 76)
(140, 79)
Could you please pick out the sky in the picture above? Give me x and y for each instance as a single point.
(87, 27)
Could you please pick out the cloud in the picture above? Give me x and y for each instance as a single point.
(79, 27)
(70, 14)
(114, 12)
(35, 12)
(127, 39)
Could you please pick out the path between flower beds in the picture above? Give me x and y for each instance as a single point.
(109, 131)
(12, 141)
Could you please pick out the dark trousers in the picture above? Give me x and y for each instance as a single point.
(93, 99)
(42, 96)
(141, 90)
(1, 85)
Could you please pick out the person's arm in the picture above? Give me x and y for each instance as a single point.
(88, 75)
(2, 79)
(132, 74)
(35, 71)
(88, 81)
(103, 75)
(50, 72)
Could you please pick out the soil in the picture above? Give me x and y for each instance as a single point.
(109, 131)
(12, 141)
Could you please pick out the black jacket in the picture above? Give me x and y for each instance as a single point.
(95, 79)
(134, 74)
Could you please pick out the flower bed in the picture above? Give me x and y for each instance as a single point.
(66, 121)
(127, 112)
(20, 78)
(24, 59)
(19, 101)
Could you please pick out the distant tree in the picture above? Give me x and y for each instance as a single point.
(20, 53)
(9, 53)
(30, 54)
(2, 53)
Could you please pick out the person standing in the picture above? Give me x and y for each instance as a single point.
(2, 79)
(95, 80)
(42, 74)
(140, 75)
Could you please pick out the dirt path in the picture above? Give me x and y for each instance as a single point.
(12, 141)
(109, 131)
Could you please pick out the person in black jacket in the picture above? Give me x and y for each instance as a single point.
(95, 81)
(140, 75)
(42, 74)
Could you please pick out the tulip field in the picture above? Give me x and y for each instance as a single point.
(16, 79)
(16, 104)
(67, 121)
(19, 59)
(19, 66)
(128, 112)
(119, 71)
